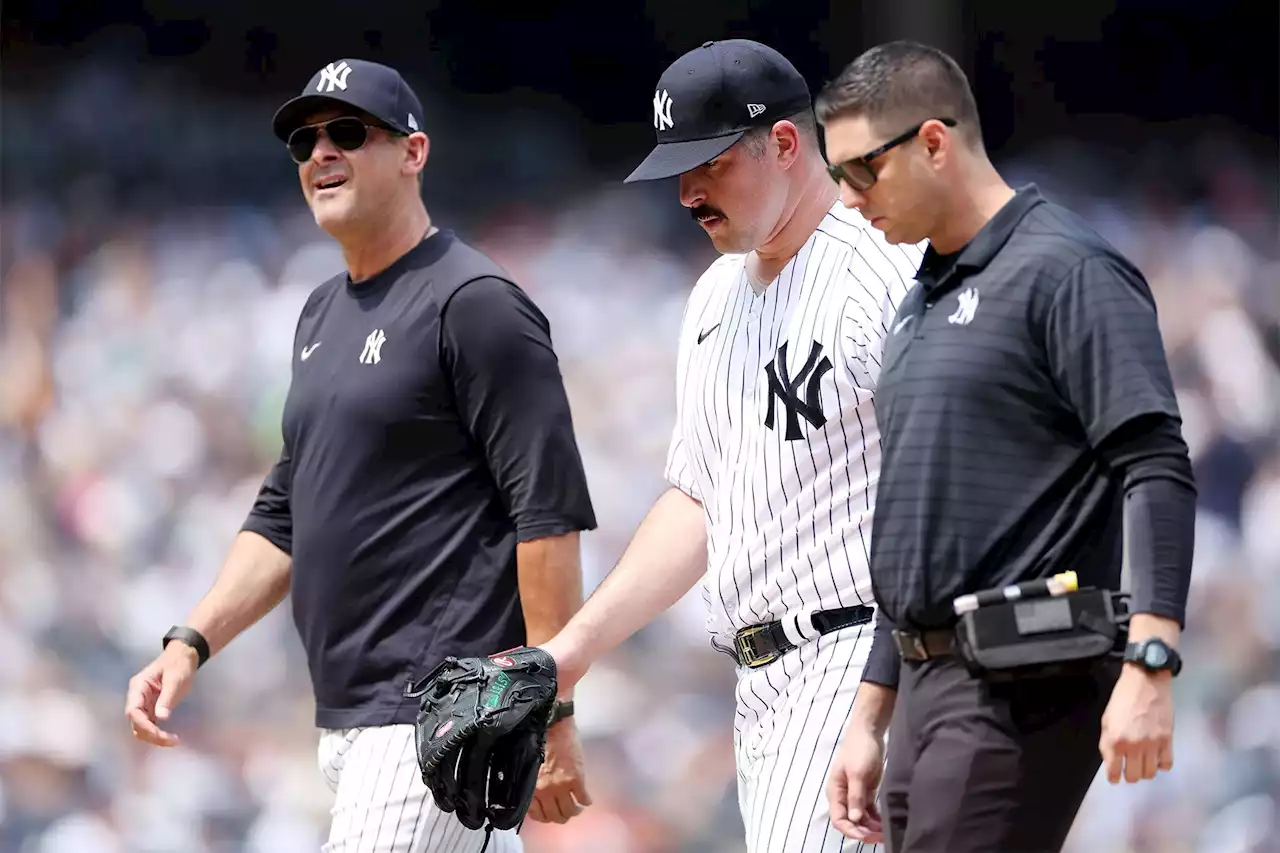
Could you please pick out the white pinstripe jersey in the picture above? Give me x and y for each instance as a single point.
(775, 428)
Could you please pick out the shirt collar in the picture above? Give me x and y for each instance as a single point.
(935, 268)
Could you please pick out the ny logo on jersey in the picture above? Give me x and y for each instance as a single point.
(784, 388)
(372, 353)
(333, 77)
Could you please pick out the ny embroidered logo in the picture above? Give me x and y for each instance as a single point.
(967, 308)
(662, 110)
(783, 387)
(372, 353)
(332, 77)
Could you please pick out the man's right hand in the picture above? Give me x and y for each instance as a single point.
(157, 689)
(852, 786)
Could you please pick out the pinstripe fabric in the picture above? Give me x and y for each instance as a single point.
(789, 505)
(381, 804)
(793, 713)
(776, 436)
(788, 502)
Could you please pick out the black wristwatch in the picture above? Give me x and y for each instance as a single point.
(1154, 655)
(192, 638)
(563, 708)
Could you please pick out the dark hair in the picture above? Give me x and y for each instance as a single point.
(805, 122)
(900, 84)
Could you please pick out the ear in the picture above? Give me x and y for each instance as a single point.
(787, 137)
(939, 141)
(416, 150)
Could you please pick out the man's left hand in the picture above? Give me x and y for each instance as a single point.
(562, 791)
(1137, 727)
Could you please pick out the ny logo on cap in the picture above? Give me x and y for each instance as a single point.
(334, 77)
(662, 110)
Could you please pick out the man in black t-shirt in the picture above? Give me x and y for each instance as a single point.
(429, 493)
(1026, 411)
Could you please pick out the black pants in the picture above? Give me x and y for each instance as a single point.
(978, 767)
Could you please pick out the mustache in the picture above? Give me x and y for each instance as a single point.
(705, 210)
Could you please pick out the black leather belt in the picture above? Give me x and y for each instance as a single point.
(758, 645)
(923, 645)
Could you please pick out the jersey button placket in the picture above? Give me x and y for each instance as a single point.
(754, 333)
(930, 300)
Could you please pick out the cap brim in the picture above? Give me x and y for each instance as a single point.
(293, 114)
(669, 159)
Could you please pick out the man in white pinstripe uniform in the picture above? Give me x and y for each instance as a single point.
(775, 454)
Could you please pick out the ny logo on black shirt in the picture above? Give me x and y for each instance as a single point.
(784, 388)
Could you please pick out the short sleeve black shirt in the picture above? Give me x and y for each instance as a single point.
(426, 432)
(1007, 366)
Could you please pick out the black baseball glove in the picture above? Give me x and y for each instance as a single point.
(481, 734)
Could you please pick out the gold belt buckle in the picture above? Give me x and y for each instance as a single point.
(749, 659)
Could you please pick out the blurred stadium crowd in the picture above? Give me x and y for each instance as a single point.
(145, 360)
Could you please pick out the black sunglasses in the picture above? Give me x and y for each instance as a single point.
(346, 132)
(858, 173)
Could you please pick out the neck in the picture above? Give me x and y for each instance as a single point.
(385, 239)
(813, 200)
(978, 196)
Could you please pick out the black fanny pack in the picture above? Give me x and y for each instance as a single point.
(1043, 636)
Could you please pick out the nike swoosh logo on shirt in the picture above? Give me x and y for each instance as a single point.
(306, 351)
(702, 336)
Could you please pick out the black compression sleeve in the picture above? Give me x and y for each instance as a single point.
(1161, 516)
(1160, 512)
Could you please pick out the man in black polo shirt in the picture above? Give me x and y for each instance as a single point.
(1026, 411)
(429, 494)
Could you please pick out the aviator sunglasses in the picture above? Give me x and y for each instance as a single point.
(346, 132)
(858, 173)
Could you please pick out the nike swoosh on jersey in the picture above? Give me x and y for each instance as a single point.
(702, 336)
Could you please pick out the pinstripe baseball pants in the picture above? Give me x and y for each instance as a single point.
(790, 718)
(381, 804)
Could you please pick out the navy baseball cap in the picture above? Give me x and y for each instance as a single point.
(376, 89)
(709, 98)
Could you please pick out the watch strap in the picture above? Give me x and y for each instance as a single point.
(1133, 653)
(1137, 653)
(563, 708)
(192, 638)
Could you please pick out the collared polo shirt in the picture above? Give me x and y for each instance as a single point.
(1006, 367)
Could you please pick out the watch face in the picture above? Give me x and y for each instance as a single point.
(1156, 656)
